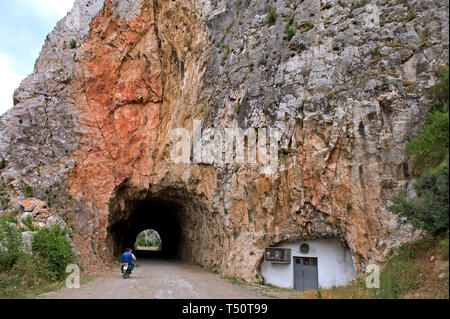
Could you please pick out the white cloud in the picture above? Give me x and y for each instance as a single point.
(59, 6)
(9, 81)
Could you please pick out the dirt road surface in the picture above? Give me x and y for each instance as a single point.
(162, 279)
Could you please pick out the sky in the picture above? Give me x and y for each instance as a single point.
(24, 24)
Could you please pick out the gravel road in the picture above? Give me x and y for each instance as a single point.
(162, 279)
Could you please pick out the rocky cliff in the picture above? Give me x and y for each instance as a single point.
(344, 82)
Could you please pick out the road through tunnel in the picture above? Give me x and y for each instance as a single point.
(179, 217)
(160, 215)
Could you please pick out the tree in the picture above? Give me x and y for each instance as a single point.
(429, 209)
(429, 152)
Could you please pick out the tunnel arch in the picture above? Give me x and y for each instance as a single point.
(158, 214)
(180, 216)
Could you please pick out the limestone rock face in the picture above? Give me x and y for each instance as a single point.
(38, 214)
(91, 128)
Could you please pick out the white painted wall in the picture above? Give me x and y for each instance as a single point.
(335, 264)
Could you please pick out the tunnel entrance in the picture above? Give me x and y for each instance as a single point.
(156, 214)
(189, 230)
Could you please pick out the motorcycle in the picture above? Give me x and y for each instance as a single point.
(126, 270)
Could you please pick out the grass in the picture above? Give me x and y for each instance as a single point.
(359, 4)
(271, 15)
(326, 6)
(47, 287)
(375, 52)
(307, 26)
(234, 281)
(289, 32)
(27, 190)
(411, 16)
(28, 222)
(262, 61)
(10, 217)
(290, 19)
(205, 112)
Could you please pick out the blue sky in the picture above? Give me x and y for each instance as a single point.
(24, 24)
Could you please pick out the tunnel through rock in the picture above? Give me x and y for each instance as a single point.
(160, 215)
(180, 218)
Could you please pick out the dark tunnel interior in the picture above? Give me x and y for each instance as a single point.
(160, 215)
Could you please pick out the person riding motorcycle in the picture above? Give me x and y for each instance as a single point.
(128, 257)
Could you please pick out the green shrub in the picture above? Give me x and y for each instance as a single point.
(51, 244)
(11, 243)
(375, 52)
(73, 44)
(21, 270)
(308, 26)
(430, 157)
(319, 294)
(431, 146)
(360, 4)
(28, 271)
(290, 18)
(289, 32)
(9, 217)
(328, 5)
(429, 210)
(29, 223)
(262, 61)
(27, 190)
(32, 270)
(440, 91)
(271, 15)
(411, 16)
